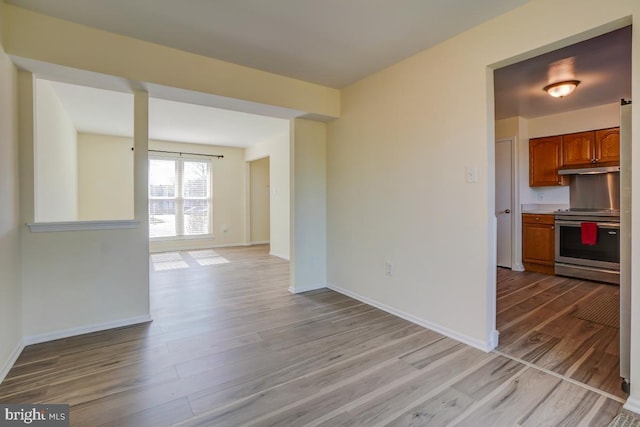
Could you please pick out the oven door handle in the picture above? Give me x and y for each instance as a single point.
(577, 224)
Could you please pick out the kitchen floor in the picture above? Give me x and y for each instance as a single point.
(539, 320)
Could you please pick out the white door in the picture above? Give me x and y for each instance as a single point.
(504, 179)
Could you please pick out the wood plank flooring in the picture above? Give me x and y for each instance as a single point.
(536, 318)
(230, 346)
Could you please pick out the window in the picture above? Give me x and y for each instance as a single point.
(179, 197)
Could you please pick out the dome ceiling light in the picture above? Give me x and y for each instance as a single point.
(561, 89)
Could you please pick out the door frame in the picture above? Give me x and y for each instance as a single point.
(516, 208)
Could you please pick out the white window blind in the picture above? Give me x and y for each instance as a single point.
(179, 197)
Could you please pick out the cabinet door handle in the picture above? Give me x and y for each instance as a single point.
(507, 211)
(537, 218)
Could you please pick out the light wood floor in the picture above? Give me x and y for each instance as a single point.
(536, 317)
(230, 346)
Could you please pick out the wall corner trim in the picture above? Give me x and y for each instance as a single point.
(494, 339)
(473, 342)
(50, 336)
(517, 267)
(279, 255)
(632, 404)
(12, 359)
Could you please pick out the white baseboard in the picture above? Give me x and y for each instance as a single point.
(12, 359)
(261, 242)
(494, 339)
(279, 255)
(473, 342)
(517, 267)
(632, 404)
(50, 336)
(299, 290)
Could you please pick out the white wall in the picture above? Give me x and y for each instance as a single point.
(309, 206)
(277, 149)
(228, 197)
(10, 293)
(396, 163)
(56, 197)
(105, 177)
(600, 117)
(259, 199)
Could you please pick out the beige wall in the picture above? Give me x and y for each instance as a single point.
(10, 293)
(80, 281)
(277, 149)
(396, 163)
(228, 197)
(308, 206)
(259, 200)
(105, 177)
(56, 170)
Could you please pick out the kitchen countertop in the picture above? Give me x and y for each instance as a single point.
(542, 208)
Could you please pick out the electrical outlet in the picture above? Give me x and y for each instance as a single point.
(388, 268)
(541, 196)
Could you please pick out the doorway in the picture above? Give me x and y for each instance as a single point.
(504, 201)
(568, 326)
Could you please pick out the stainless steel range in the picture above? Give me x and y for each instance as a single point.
(599, 261)
(595, 203)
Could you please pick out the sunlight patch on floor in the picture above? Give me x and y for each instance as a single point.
(174, 260)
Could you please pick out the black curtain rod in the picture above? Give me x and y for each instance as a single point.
(219, 156)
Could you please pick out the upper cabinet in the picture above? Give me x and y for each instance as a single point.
(608, 146)
(578, 149)
(574, 150)
(593, 148)
(545, 157)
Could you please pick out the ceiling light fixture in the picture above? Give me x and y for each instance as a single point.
(561, 89)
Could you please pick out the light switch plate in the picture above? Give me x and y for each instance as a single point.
(470, 174)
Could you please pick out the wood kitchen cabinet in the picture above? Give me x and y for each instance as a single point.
(545, 157)
(574, 150)
(578, 149)
(538, 242)
(608, 146)
(593, 148)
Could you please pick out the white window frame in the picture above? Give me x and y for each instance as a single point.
(179, 199)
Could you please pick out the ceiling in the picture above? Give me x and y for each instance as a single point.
(108, 112)
(329, 42)
(333, 42)
(601, 64)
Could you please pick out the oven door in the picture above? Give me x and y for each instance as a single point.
(604, 254)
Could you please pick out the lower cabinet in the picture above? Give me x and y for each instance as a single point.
(538, 242)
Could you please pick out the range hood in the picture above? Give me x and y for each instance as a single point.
(589, 171)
